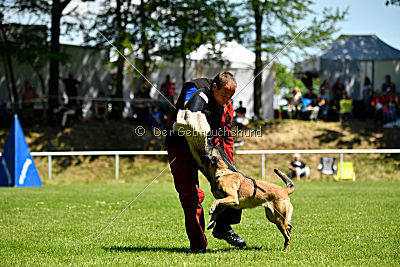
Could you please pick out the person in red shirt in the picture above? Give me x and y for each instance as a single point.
(168, 89)
(213, 98)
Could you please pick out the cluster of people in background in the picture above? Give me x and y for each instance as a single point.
(151, 112)
(382, 104)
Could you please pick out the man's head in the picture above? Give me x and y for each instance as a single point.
(168, 78)
(223, 87)
(297, 157)
(387, 78)
(240, 103)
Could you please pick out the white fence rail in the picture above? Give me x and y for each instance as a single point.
(116, 154)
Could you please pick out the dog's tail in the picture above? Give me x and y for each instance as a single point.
(286, 180)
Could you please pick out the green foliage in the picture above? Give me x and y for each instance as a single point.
(338, 224)
(285, 78)
(392, 2)
(287, 16)
(188, 24)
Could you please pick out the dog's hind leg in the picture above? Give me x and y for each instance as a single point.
(284, 228)
(279, 215)
(289, 218)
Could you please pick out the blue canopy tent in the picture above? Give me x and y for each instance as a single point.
(354, 57)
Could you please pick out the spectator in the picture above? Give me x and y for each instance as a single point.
(325, 86)
(298, 168)
(337, 92)
(168, 89)
(313, 107)
(323, 103)
(29, 96)
(240, 117)
(346, 95)
(377, 105)
(155, 119)
(141, 108)
(71, 89)
(295, 103)
(388, 86)
(62, 113)
(101, 107)
(367, 96)
(389, 106)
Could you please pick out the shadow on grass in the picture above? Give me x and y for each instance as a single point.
(174, 249)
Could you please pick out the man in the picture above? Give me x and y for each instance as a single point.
(298, 168)
(101, 107)
(29, 96)
(240, 118)
(213, 98)
(168, 89)
(310, 100)
(337, 92)
(388, 86)
(71, 89)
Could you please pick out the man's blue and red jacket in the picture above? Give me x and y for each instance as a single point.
(199, 95)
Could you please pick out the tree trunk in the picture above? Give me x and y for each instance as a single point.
(43, 86)
(145, 46)
(117, 106)
(10, 96)
(183, 55)
(56, 13)
(10, 71)
(258, 63)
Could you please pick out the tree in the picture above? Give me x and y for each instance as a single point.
(188, 24)
(41, 10)
(32, 49)
(285, 77)
(116, 22)
(56, 8)
(6, 52)
(392, 2)
(263, 16)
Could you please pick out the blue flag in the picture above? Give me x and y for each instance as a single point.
(16, 163)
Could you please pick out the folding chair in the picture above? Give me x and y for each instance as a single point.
(346, 106)
(327, 166)
(347, 173)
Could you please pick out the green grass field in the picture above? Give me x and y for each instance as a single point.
(346, 223)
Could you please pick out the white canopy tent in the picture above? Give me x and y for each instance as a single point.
(206, 62)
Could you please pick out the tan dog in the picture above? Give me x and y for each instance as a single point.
(230, 187)
(234, 190)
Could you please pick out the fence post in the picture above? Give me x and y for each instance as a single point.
(116, 166)
(263, 165)
(49, 166)
(341, 165)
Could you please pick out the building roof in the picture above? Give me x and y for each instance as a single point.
(360, 47)
(231, 51)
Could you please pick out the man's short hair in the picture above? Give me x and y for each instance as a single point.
(224, 78)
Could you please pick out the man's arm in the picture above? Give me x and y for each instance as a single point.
(228, 139)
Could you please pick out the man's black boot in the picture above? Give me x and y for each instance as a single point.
(229, 236)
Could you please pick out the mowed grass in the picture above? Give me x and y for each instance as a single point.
(344, 223)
